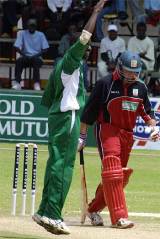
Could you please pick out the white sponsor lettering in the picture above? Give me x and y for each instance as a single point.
(24, 107)
(15, 129)
(139, 120)
(114, 91)
(15, 108)
(139, 129)
(6, 129)
(39, 129)
(31, 129)
(6, 106)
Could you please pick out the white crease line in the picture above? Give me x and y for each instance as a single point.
(45, 150)
(134, 214)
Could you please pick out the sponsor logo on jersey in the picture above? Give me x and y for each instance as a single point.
(135, 92)
(114, 91)
(128, 105)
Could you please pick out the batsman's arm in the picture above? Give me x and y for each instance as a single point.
(150, 120)
(153, 130)
(148, 116)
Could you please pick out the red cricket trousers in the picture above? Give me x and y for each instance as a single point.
(114, 146)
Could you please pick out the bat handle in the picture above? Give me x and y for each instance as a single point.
(81, 157)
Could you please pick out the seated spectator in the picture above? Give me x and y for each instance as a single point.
(152, 5)
(137, 10)
(31, 45)
(10, 9)
(85, 76)
(147, 11)
(154, 82)
(154, 86)
(86, 68)
(111, 47)
(68, 39)
(152, 9)
(144, 46)
(35, 9)
(157, 52)
(158, 63)
(112, 6)
(59, 14)
(81, 10)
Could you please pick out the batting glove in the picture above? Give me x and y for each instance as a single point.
(81, 141)
(154, 132)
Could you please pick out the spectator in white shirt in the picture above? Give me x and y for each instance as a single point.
(111, 47)
(59, 13)
(55, 4)
(144, 46)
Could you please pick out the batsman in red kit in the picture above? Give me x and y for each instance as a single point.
(114, 105)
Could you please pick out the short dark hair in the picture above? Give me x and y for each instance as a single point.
(141, 24)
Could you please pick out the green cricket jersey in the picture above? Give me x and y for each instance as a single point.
(65, 88)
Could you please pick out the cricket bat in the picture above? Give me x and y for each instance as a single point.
(84, 195)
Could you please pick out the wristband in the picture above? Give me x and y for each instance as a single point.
(85, 37)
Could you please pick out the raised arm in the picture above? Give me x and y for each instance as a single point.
(92, 20)
(90, 25)
(74, 55)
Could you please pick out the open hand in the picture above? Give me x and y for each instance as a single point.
(154, 132)
(99, 6)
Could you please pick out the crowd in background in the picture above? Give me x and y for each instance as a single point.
(55, 15)
(52, 16)
(63, 20)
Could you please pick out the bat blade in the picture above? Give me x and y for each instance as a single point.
(84, 194)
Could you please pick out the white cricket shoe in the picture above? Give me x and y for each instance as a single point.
(123, 223)
(96, 219)
(16, 85)
(37, 218)
(55, 226)
(36, 86)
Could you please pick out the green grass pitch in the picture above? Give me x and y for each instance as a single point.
(142, 193)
